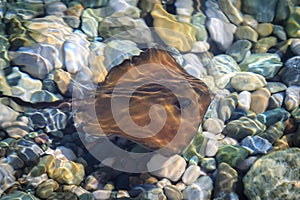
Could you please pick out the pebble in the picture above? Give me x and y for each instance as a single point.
(246, 33)
(270, 117)
(292, 97)
(264, 29)
(276, 87)
(101, 194)
(16, 194)
(191, 174)
(37, 60)
(50, 120)
(221, 32)
(271, 170)
(273, 132)
(7, 114)
(244, 100)
(90, 22)
(213, 125)
(76, 52)
(155, 194)
(265, 64)
(63, 171)
(213, 11)
(201, 189)
(16, 129)
(250, 21)
(243, 127)
(222, 69)
(171, 168)
(276, 100)
(56, 8)
(256, 145)
(293, 23)
(247, 81)
(264, 44)
(290, 73)
(7, 178)
(239, 50)
(226, 179)
(163, 183)
(161, 18)
(227, 106)
(208, 164)
(260, 100)
(45, 189)
(279, 32)
(245, 165)
(211, 148)
(261, 11)
(231, 154)
(172, 192)
(231, 11)
(22, 85)
(295, 46)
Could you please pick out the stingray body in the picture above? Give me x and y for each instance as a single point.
(152, 101)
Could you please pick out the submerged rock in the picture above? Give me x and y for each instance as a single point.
(275, 175)
(265, 64)
(170, 30)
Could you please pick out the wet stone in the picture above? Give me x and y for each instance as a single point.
(246, 33)
(270, 117)
(221, 32)
(213, 125)
(273, 132)
(191, 174)
(7, 178)
(244, 100)
(48, 119)
(201, 189)
(208, 164)
(172, 172)
(56, 8)
(276, 87)
(276, 100)
(266, 64)
(264, 44)
(231, 11)
(243, 127)
(290, 73)
(239, 49)
(18, 195)
(172, 192)
(292, 97)
(226, 179)
(45, 189)
(279, 32)
(247, 81)
(295, 46)
(260, 100)
(227, 105)
(263, 11)
(264, 29)
(222, 68)
(293, 23)
(274, 176)
(256, 145)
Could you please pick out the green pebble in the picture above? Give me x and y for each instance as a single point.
(231, 154)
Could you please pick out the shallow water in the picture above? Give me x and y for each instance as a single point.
(98, 96)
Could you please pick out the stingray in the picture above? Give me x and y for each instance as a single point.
(151, 100)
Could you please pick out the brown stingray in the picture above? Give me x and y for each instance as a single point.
(152, 78)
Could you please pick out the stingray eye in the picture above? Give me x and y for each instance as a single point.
(182, 103)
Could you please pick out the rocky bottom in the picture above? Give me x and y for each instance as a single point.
(247, 52)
